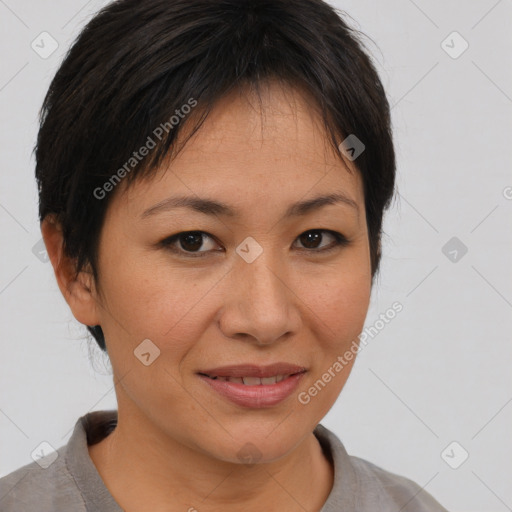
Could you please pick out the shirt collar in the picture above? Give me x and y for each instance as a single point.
(96, 425)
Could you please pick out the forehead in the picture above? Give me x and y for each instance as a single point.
(255, 152)
(280, 121)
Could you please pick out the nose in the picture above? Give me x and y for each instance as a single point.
(259, 304)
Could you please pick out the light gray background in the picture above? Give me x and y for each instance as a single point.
(439, 372)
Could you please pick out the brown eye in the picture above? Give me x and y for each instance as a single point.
(189, 243)
(312, 238)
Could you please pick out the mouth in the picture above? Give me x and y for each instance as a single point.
(253, 386)
(253, 375)
(252, 381)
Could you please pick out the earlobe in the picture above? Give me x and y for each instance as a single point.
(78, 291)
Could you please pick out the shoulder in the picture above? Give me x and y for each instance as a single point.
(45, 485)
(363, 486)
(378, 485)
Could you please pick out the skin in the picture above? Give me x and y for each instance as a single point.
(176, 443)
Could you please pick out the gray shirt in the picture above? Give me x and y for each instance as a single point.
(71, 482)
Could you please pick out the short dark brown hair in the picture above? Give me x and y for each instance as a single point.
(138, 62)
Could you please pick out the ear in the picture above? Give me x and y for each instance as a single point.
(80, 293)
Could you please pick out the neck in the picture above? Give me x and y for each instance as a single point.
(146, 470)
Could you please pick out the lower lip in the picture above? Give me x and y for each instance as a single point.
(264, 395)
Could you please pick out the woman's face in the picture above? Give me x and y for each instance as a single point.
(263, 290)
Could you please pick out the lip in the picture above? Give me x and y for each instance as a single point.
(257, 396)
(252, 370)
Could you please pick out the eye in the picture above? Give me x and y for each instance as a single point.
(191, 241)
(313, 236)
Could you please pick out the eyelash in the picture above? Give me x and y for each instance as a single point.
(339, 241)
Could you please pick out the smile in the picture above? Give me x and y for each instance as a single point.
(252, 381)
(253, 392)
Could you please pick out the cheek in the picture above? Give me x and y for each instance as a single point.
(166, 303)
(337, 311)
(339, 300)
(163, 303)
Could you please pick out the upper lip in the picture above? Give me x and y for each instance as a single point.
(252, 370)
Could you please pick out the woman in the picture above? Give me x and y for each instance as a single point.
(212, 180)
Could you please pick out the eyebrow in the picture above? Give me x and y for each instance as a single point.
(214, 208)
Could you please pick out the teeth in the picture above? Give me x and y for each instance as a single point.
(253, 381)
(238, 380)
